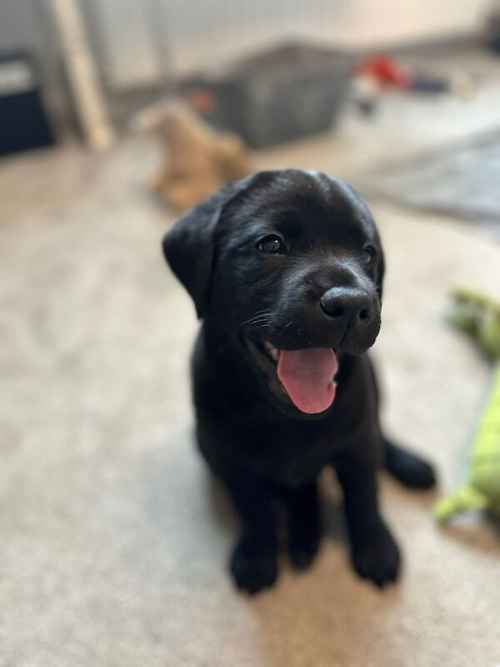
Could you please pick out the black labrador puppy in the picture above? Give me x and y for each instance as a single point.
(285, 269)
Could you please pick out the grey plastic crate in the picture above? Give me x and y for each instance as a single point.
(285, 93)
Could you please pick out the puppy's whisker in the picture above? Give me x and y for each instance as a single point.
(257, 325)
(260, 320)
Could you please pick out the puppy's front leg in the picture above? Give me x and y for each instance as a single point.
(304, 524)
(374, 552)
(254, 561)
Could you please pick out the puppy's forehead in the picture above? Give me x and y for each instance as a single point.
(340, 198)
(301, 201)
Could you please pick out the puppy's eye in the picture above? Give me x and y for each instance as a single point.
(370, 253)
(271, 245)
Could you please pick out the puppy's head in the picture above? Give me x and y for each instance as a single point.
(288, 264)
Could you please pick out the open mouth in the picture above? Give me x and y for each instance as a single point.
(306, 376)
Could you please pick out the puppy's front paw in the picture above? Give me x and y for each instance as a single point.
(253, 570)
(376, 557)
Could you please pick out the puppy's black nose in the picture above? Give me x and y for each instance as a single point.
(347, 305)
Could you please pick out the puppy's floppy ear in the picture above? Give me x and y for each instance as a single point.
(189, 246)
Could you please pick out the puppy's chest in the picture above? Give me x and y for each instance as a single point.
(289, 455)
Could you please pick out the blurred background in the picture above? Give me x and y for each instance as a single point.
(115, 117)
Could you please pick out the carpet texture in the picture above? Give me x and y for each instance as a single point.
(114, 540)
(459, 180)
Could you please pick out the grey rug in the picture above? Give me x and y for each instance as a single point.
(461, 181)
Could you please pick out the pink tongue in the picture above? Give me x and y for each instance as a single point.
(307, 377)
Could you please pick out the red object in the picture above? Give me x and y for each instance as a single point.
(386, 71)
(202, 100)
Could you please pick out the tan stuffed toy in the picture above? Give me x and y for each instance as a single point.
(198, 159)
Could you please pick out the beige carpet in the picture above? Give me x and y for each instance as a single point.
(112, 540)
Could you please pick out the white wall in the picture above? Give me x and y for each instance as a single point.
(368, 21)
(201, 33)
(214, 31)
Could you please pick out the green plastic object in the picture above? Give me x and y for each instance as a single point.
(482, 490)
(479, 317)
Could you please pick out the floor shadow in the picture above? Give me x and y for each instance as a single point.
(494, 522)
(220, 504)
(426, 498)
(476, 530)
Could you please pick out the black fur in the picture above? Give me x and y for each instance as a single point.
(265, 450)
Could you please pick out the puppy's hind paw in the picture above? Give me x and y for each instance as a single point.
(409, 468)
(253, 571)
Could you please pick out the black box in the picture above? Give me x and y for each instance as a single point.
(24, 123)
